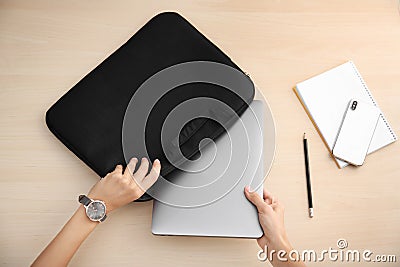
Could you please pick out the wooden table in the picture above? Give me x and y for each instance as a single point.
(48, 46)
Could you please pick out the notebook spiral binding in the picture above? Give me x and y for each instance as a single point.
(373, 100)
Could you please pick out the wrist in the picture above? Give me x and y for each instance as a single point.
(81, 214)
(280, 242)
(106, 202)
(95, 209)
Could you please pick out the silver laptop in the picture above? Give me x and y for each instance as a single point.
(209, 199)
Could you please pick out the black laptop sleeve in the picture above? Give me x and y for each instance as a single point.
(88, 118)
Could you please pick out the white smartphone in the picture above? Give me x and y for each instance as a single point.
(356, 131)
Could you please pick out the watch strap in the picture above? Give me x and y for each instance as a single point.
(104, 217)
(84, 200)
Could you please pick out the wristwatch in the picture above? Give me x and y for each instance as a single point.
(95, 209)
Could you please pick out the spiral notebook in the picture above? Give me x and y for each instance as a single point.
(325, 98)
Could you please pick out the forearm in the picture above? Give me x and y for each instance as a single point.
(283, 246)
(61, 249)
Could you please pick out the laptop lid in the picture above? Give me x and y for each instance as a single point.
(213, 202)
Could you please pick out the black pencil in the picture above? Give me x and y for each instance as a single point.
(306, 161)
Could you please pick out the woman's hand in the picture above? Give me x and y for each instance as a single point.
(119, 188)
(115, 189)
(271, 217)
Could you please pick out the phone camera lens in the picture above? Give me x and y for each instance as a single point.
(354, 105)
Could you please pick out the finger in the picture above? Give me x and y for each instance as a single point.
(130, 168)
(268, 197)
(153, 175)
(270, 200)
(118, 169)
(254, 198)
(277, 206)
(143, 169)
(266, 194)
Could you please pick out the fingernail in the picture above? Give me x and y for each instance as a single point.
(134, 159)
(157, 161)
(247, 188)
(143, 159)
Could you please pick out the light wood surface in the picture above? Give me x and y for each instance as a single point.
(48, 46)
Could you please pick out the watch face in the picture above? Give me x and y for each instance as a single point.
(96, 210)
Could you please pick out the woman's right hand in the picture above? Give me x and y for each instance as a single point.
(271, 217)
